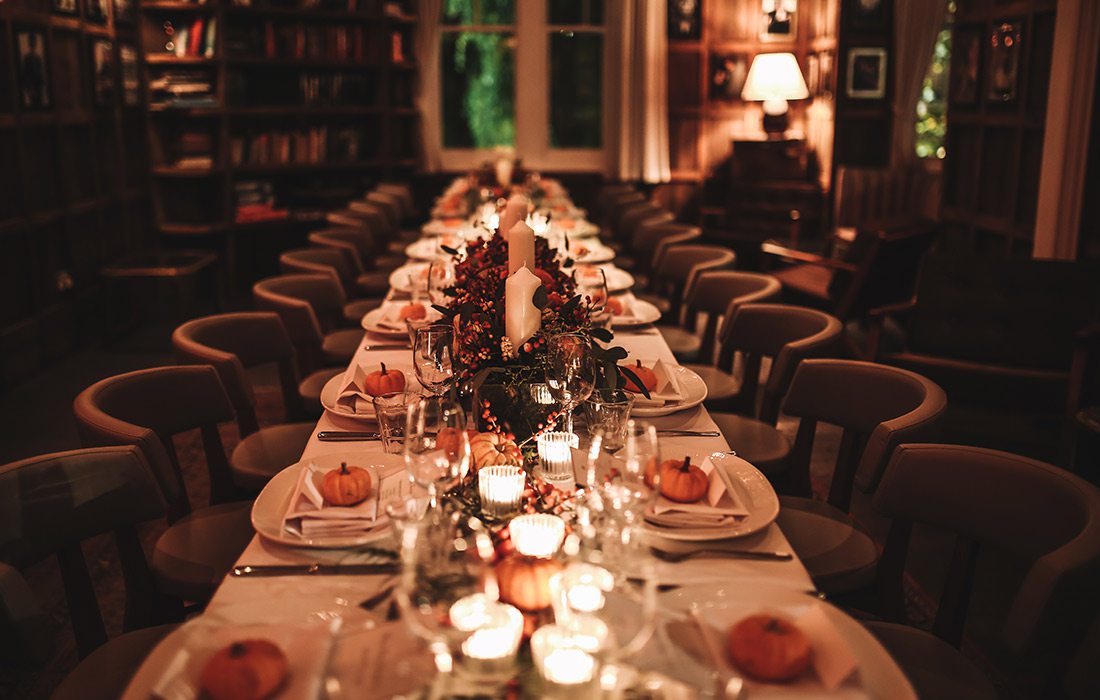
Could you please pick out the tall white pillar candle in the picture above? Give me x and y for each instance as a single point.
(515, 210)
(521, 247)
(521, 317)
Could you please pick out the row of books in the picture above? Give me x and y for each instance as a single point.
(192, 149)
(183, 88)
(303, 146)
(295, 41)
(294, 89)
(334, 5)
(194, 39)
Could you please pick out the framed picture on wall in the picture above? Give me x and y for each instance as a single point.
(124, 11)
(826, 74)
(813, 74)
(66, 7)
(131, 85)
(777, 21)
(32, 68)
(1004, 62)
(867, 15)
(866, 73)
(685, 19)
(966, 61)
(103, 76)
(97, 10)
(727, 75)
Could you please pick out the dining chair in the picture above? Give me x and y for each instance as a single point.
(146, 408)
(651, 240)
(786, 335)
(677, 268)
(878, 407)
(365, 292)
(712, 295)
(988, 499)
(301, 302)
(613, 202)
(404, 195)
(53, 503)
(231, 344)
(610, 192)
(628, 218)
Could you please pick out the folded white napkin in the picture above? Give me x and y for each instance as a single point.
(628, 315)
(353, 395)
(719, 508)
(667, 390)
(308, 516)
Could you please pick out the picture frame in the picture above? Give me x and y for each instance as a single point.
(778, 20)
(98, 11)
(1004, 62)
(966, 62)
(66, 7)
(727, 76)
(685, 21)
(124, 12)
(33, 70)
(871, 16)
(826, 74)
(813, 74)
(103, 72)
(131, 83)
(866, 73)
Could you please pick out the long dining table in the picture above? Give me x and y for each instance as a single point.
(376, 657)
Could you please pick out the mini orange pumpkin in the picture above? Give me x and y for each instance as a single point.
(525, 581)
(648, 377)
(414, 311)
(615, 306)
(769, 648)
(252, 669)
(384, 381)
(493, 448)
(683, 482)
(346, 486)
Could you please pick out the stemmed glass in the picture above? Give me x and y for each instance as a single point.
(432, 357)
(441, 276)
(437, 449)
(570, 373)
(641, 472)
(591, 283)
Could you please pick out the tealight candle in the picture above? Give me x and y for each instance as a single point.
(556, 453)
(537, 535)
(585, 585)
(501, 489)
(558, 659)
(497, 631)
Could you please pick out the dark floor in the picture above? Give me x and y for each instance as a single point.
(37, 418)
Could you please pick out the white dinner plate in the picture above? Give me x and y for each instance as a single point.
(618, 280)
(724, 604)
(270, 506)
(753, 489)
(372, 321)
(580, 229)
(331, 391)
(644, 313)
(597, 253)
(440, 227)
(399, 278)
(691, 386)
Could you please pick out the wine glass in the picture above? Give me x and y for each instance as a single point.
(437, 449)
(570, 372)
(432, 357)
(444, 567)
(591, 282)
(441, 276)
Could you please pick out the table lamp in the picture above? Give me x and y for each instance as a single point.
(773, 79)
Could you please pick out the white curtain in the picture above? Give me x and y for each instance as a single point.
(916, 25)
(427, 55)
(642, 96)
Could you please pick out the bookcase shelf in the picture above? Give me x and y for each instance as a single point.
(230, 124)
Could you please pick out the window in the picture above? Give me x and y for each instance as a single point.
(527, 74)
(931, 117)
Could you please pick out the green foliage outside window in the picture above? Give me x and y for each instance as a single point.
(931, 117)
(478, 76)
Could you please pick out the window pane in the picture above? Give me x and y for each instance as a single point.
(458, 12)
(498, 11)
(576, 89)
(566, 11)
(479, 94)
(595, 12)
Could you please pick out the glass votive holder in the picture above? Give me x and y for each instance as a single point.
(607, 411)
(496, 632)
(391, 410)
(412, 325)
(537, 534)
(556, 453)
(501, 489)
(559, 660)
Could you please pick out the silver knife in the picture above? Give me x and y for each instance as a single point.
(311, 569)
(387, 346)
(346, 436)
(690, 433)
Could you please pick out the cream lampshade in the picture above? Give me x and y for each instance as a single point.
(773, 79)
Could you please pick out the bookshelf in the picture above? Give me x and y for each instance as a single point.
(74, 192)
(263, 114)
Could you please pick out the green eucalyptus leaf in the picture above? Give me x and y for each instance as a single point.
(629, 374)
(602, 334)
(541, 298)
(449, 249)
